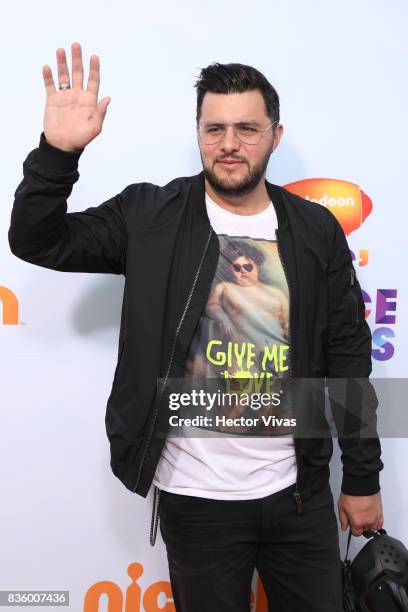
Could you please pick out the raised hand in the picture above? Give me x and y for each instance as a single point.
(73, 117)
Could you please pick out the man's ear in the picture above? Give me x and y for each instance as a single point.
(277, 136)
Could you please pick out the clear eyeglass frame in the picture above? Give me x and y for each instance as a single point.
(236, 126)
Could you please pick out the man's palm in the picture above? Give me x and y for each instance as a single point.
(73, 117)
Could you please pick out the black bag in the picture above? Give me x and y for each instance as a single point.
(377, 578)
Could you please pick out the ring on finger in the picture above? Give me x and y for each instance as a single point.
(65, 86)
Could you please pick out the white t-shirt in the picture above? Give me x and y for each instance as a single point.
(248, 302)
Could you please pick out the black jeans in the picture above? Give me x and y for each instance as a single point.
(214, 545)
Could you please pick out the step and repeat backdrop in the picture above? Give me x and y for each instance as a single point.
(66, 522)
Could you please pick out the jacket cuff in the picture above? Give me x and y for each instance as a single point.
(57, 160)
(357, 485)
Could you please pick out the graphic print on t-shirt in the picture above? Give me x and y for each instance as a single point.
(243, 332)
(244, 329)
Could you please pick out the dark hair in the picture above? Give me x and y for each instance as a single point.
(238, 248)
(236, 78)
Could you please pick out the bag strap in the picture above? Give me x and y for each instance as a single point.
(374, 534)
(348, 545)
(366, 534)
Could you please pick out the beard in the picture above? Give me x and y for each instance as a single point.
(242, 187)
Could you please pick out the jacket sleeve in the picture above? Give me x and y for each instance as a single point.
(348, 357)
(41, 230)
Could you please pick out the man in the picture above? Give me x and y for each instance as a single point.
(228, 503)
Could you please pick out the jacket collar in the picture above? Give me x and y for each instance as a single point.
(274, 191)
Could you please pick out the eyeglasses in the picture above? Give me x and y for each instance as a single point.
(248, 267)
(211, 133)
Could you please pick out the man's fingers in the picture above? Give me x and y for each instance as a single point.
(63, 73)
(48, 80)
(343, 519)
(77, 66)
(103, 105)
(93, 78)
(77, 73)
(357, 531)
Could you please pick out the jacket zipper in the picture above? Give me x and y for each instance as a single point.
(296, 494)
(155, 515)
(352, 281)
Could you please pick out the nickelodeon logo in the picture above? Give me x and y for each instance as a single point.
(9, 302)
(350, 205)
(156, 598)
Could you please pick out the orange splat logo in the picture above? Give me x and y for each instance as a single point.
(347, 201)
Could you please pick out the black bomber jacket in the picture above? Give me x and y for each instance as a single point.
(161, 240)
